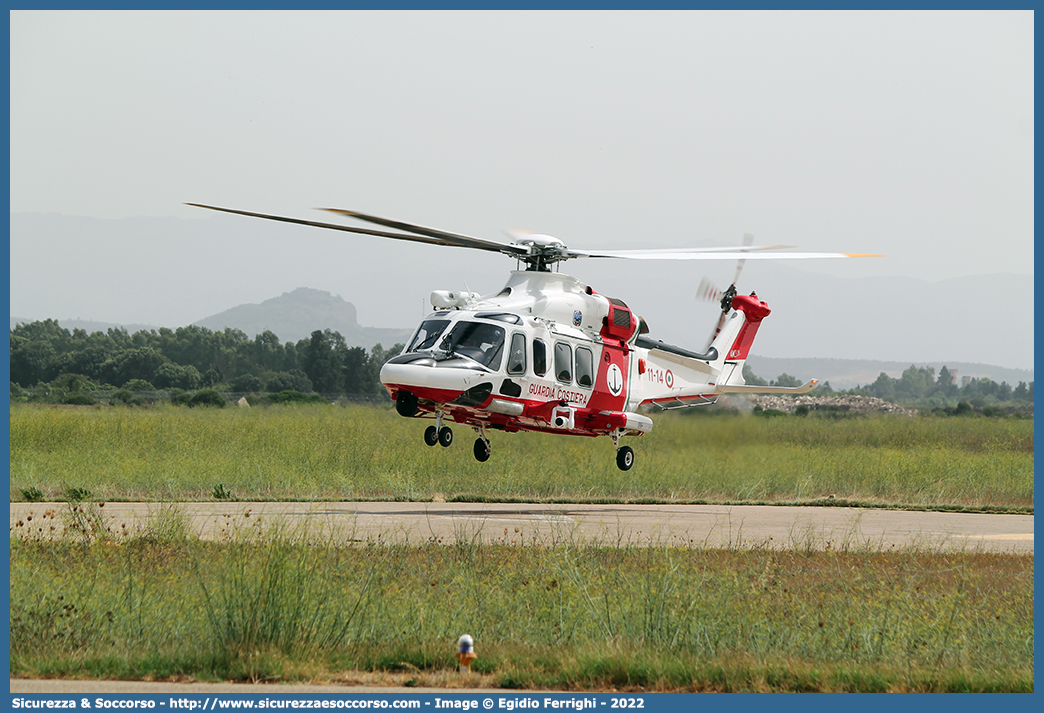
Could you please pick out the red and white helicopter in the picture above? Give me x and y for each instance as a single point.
(548, 353)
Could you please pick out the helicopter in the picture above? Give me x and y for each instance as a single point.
(548, 353)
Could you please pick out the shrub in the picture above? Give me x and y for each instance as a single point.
(77, 494)
(121, 395)
(32, 494)
(79, 399)
(206, 397)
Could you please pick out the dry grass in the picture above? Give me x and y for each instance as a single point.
(271, 604)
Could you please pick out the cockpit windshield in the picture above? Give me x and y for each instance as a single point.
(427, 334)
(480, 342)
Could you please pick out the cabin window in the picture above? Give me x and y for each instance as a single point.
(584, 367)
(563, 362)
(539, 357)
(426, 335)
(517, 355)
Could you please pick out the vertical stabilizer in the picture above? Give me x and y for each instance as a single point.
(754, 310)
(733, 342)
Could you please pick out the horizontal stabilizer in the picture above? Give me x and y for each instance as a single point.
(751, 389)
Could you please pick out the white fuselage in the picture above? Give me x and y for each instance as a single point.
(549, 353)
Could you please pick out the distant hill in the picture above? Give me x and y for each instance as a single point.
(292, 316)
(849, 373)
(295, 315)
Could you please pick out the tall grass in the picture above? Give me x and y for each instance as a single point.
(369, 452)
(270, 603)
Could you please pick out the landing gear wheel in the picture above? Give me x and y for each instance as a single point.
(625, 458)
(431, 435)
(482, 450)
(445, 436)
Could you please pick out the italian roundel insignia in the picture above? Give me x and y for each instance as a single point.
(578, 317)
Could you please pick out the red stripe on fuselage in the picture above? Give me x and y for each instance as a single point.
(602, 397)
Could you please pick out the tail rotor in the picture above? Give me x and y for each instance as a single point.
(708, 292)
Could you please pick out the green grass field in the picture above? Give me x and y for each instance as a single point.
(365, 452)
(274, 605)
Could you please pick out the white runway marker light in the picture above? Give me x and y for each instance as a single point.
(466, 653)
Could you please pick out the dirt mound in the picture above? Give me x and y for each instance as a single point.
(841, 402)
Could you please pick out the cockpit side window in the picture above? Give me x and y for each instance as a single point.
(563, 362)
(426, 335)
(584, 367)
(539, 357)
(517, 355)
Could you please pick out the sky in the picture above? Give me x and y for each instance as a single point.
(903, 133)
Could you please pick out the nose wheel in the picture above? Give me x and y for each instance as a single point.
(443, 436)
(438, 433)
(431, 435)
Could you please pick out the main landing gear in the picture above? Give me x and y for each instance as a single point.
(625, 458)
(624, 454)
(482, 446)
(482, 450)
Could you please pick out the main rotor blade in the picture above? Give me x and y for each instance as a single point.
(724, 254)
(366, 231)
(671, 253)
(445, 237)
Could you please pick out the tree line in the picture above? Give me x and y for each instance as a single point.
(52, 360)
(189, 358)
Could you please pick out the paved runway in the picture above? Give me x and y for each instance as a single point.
(445, 523)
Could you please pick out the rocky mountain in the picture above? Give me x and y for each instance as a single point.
(293, 316)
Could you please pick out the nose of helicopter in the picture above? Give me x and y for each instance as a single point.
(425, 380)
